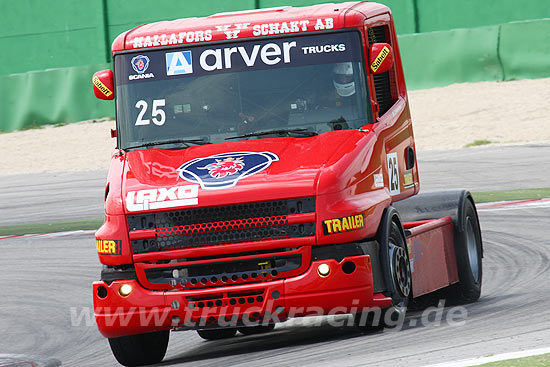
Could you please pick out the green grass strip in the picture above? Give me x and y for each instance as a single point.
(476, 143)
(508, 195)
(50, 227)
(542, 360)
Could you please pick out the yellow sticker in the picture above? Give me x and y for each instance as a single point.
(102, 87)
(108, 247)
(353, 222)
(264, 266)
(380, 58)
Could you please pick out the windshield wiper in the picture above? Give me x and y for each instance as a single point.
(187, 142)
(303, 132)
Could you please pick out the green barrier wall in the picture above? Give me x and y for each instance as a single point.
(38, 35)
(51, 96)
(435, 15)
(525, 49)
(442, 58)
(517, 50)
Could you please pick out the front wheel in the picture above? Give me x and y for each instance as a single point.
(400, 282)
(397, 275)
(140, 349)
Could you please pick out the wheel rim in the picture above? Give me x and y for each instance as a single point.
(400, 270)
(471, 245)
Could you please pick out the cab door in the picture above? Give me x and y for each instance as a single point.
(392, 118)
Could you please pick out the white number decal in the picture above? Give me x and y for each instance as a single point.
(393, 174)
(140, 121)
(157, 111)
(158, 115)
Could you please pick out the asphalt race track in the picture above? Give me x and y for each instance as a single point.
(46, 287)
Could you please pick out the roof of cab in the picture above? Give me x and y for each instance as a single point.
(248, 24)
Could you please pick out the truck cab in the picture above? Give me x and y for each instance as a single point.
(259, 159)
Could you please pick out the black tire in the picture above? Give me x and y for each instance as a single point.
(140, 349)
(253, 330)
(468, 249)
(394, 258)
(217, 334)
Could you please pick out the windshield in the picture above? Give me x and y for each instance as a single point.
(295, 86)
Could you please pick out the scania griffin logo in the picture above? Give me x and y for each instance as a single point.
(140, 63)
(222, 171)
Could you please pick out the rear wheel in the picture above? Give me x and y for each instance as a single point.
(217, 334)
(397, 274)
(468, 250)
(140, 349)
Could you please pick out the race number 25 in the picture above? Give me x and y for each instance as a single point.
(393, 174)
(157, 114)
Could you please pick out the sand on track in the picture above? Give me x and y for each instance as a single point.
(451, 117)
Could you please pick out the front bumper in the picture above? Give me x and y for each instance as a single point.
(347, 289)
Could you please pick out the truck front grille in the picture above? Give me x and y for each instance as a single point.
(240, 268)
(227, 273)
(211, 226)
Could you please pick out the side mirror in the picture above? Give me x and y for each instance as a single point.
(103, 84)
(380, 58)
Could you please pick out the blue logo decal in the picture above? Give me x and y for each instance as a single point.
(140, 63)
(178, 63)
(222, 171)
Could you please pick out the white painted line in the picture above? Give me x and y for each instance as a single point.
(506, 205)
(69, 233)
(20, 236)
(49, 235)
(495, 358)
(544, 204)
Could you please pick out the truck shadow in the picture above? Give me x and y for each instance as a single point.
(282, 337)
(300, 333)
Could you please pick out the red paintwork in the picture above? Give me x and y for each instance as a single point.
(341, 169)
(115, 226)
(144, 310)
(116, 315)
(286, 178)
(409, 225)
(432, 255)
(337, 293)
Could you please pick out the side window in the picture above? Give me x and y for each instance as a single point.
(385, 84)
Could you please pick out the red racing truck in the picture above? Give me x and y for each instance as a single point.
(265, 169)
